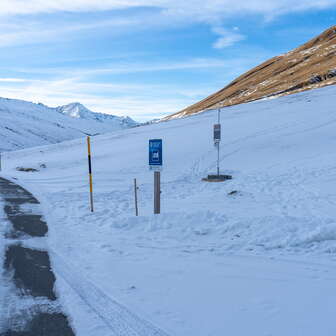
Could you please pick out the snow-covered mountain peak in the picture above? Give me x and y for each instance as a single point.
(77, 110)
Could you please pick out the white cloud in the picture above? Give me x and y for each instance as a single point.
(10, 7)
(27, 33)
(227, 38)
(118, 68)
(197, 9)
(13, 80)
(168, 13)
(196, 63)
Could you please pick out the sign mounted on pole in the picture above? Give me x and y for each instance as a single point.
(217, 133)
(217, 137)
(155, 163)
(155, 154)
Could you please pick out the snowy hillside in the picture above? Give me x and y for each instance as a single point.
(252, 256)
(77, 110)
(24, 124)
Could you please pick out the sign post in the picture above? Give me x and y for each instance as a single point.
(155, 164)
(217, 137)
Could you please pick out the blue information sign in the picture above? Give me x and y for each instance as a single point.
(155, 152)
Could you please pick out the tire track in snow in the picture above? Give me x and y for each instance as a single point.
(120, 320)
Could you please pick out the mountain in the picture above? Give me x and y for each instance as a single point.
(309, 66)
(77, 110)
(25, 124)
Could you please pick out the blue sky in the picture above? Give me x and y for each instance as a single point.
(143, 58)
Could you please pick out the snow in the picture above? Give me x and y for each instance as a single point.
(25, 124)
(258, 262)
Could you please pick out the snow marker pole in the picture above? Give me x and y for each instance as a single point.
(136, 197)
(90, 172)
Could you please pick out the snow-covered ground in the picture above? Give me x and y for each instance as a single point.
(258, 262)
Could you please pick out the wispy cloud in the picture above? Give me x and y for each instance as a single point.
(12, 7)
(168, 13)
(26, 33)
(192, 8)
(119, 68)
(126, 68)
(227, 37)
(13, 80)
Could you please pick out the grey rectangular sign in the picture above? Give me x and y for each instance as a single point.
(217, 132)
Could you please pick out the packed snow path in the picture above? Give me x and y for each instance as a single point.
(31, 302)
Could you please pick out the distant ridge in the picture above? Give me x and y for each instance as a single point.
(24, 124)
(309, 66)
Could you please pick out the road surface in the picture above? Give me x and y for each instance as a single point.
(31, 305)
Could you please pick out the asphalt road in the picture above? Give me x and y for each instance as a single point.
(28, 270)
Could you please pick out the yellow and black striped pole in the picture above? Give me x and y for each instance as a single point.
(90, 172)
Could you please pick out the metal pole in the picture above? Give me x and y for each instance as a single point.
(90, 172)
(136, 197)
(157, 192)
(218, 145)
(218, 159)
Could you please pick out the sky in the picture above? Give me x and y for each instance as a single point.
(144, 58)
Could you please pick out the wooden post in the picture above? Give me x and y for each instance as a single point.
(157, 192)
(136, 197)
(90, 172)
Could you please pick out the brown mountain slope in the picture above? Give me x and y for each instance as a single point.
(311, 65)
